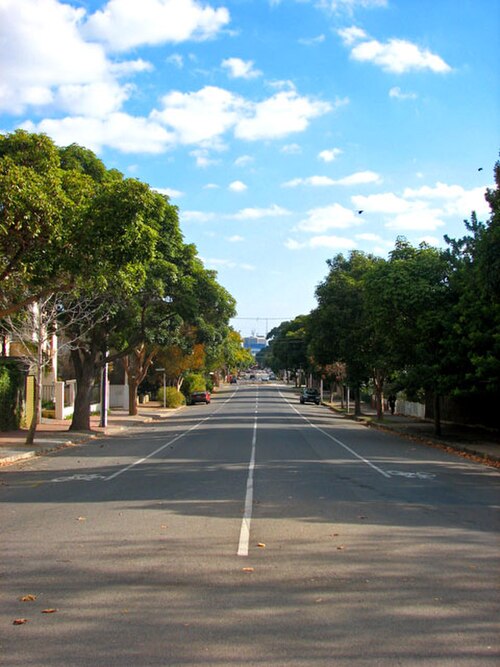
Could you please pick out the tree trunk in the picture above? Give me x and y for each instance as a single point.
(378, 382)
(30, 438)
(85, 370)
(133, 386)
(437, 414)
(357, 401)
(136, 366)
(37, 398)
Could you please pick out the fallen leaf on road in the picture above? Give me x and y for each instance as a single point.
(82, 518)
(49, 611)
(247, 569)
(261, 545)
(28, 598)
(361, 516)
(341, 547)
(19, 621)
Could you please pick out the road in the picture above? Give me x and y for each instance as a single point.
(251, 531)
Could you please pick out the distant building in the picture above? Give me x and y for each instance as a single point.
(254, 343)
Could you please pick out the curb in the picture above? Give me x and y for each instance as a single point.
(461, 450)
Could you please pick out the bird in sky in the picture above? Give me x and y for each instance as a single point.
(480, 169)
(360, 212)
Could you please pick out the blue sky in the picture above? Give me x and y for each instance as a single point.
(271, 123)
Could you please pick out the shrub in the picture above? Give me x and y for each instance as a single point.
(193, 382)
(173, 398)
(11, 384)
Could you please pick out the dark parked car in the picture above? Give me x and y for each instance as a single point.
(199, 397)
(310, 396)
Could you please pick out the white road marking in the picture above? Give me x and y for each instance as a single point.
(339, 442)
(247, 514)
(412, 475)
(167, 444)
(79, 478)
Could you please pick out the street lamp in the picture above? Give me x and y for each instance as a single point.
(162, 370)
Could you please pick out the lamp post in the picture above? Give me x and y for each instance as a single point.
(162, 370)
(103, 421)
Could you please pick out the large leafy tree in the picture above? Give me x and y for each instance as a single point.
(288, 347)
(407, 300)
(340, 328)
(473, 344)
(47, 240)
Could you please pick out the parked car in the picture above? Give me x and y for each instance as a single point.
(199, 397)
(310, 396)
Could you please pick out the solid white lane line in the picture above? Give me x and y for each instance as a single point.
(247, 514)
(339, 442)
(167, 444)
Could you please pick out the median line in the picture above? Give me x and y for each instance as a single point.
(247, 514)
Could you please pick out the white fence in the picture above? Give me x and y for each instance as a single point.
(410, 409)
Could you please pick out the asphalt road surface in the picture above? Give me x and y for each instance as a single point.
(252, 531)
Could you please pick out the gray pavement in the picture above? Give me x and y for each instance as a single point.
(477, 442)
(52, 434)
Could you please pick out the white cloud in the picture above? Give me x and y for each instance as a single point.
(330, 242)
(131, 67)
(176, 59)
(351, 35)
(312, 41)
(273, 211)
(329, 154)
(96, 99)
(324, 218)
(455, 200)
(416, 219)
(236, 239)
(398, 94)
(127, 134)
(350, 5)
(386, 202)
(45, 61)
(202, 158)
(126, 24)
(291, 149)
(196, 216)
(359, 178)
(282, 114)
(200, 116)
(425, 208)
(215, 263)
(431, 240)
(211, 186)
(241, 69)
(205, 115)
(237, 186)
(243, 161)
(395, 55)
(398, 56)
(369, 237)
(170, 192)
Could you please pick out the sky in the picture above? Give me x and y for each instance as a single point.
(285, 131)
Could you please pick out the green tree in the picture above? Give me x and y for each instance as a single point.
(472, 345)
(340, 328)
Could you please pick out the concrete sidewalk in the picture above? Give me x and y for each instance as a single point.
(475, 442)
(53, 434)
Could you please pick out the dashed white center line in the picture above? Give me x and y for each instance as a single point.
(247, 514)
